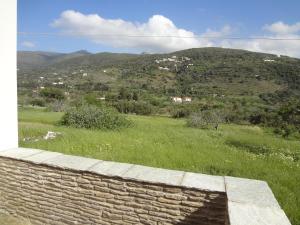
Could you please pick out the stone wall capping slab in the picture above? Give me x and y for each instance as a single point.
(250, 191)
(2, 150)
(154, 175)
(250, 214)
(203, 182)
(41, 157)
(108, 168)
(72, 162)
(19, 153)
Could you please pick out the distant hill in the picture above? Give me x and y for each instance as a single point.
(194, 72)
(28, 60)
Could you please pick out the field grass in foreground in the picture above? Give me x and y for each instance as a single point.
(234, 150)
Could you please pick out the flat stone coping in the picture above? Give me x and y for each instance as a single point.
(250, 202)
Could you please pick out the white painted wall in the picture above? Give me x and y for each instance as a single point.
(8, 78)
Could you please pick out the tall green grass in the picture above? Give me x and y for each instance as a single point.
(243, 151)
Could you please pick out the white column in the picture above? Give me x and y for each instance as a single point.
(8, 77)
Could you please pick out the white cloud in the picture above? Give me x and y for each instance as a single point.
(115, 32)
(280, 31)
(283, 28)
(160, 34)
(28, 44)
(226, 30)
(278, 47)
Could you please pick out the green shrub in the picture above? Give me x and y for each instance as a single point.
(285, 119)
(137, 107)
(250, 147)
(180, 113)
(285, 130)
(142, 108)
(186, 109)
(92, 117)
(205, 119)
(52, 93)
(91, 99)
(57, 106)
(38, 102)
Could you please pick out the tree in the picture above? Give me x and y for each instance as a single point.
(206, 119)
(124, 94)
(135, 96)
(290, 113)
(52, 93)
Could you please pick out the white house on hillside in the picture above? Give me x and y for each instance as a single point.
(176, 99)
(101, 98)
(269, 60)
(186, 99)
(181, 99)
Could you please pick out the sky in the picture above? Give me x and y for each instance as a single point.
(158, 26)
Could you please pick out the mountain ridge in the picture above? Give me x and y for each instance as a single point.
(48, 58)
(194, 72)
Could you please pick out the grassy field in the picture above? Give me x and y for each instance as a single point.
(242, 151)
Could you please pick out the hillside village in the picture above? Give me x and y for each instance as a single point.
(176, 84)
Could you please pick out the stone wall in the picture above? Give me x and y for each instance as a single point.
(51, 195)
(57, 189)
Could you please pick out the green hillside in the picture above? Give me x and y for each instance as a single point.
(243, 84)
(195, 72)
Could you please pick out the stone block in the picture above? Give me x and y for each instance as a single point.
(249, 214)
(41, 157)
(19, 153)
(110, 168)
(250, 191)
(203, 182)
(154, 175)
(72, 162)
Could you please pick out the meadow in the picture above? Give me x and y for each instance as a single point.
(233, 150)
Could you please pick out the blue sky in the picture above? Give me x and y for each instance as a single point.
(192, 18)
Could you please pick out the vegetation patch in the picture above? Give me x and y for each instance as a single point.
(215, 170)
(92, 117)
(259, 149)
(250, 147)
(205, 119)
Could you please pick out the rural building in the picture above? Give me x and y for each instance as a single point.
(181, 99)
(176, 99)
(269, 60)
(171, 60)
(186, 99)
(163, 68)
(101, 98)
